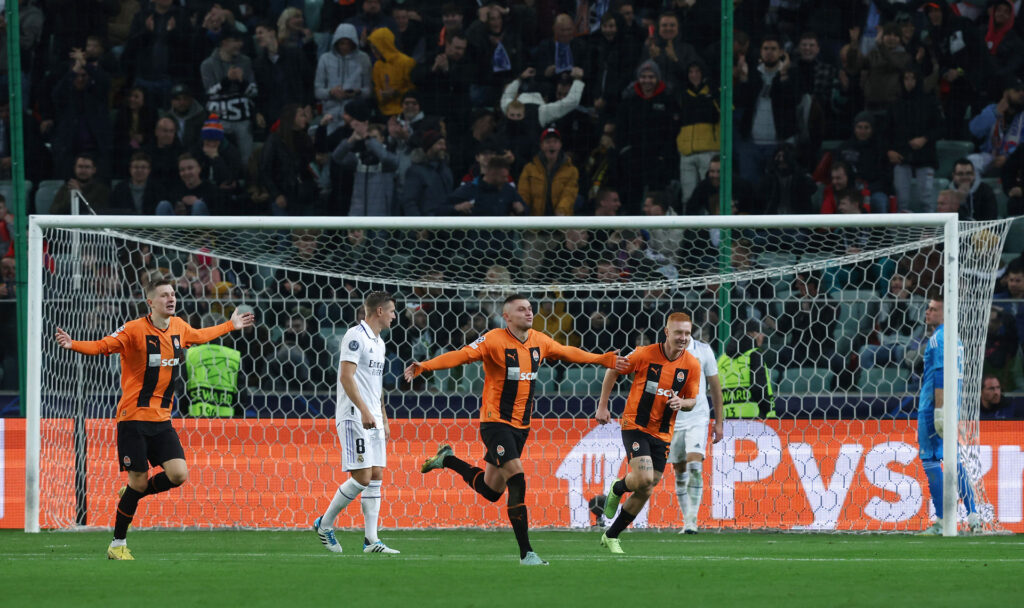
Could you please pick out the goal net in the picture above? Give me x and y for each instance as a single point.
(839, 301)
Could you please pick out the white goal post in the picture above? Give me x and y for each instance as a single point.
(58, 245)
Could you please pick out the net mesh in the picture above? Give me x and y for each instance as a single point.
(841, 310)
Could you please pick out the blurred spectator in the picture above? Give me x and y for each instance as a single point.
(6, 229)
(283, 74)
(71, 21)
(1013, 182)
(562, 52)
(412, 112)
(496, 51)
(285, 165)
(549, 183)
(374, 164)
(767, 98)
(442, 82)
(866, 156)
(847, 94)
(392, 72)
(491, 194)
(977, 200)
(638, 262)
(95, 192)
(192, 195)
(664, 242)
(917, 47)
(332, 14)
(133, 128)
(428, 181)
(138, 194)
(645, 134)
(999, 127)
(156, 54)
(30, 33)
(841, 177)
(611, 59)
(37, 159)
(164, 151)
(563, 261)
(1011, 300)
(993, 406)
(817, 76)
(545, 112)
(671, 52)
(83, 120)
(808, 326)
(704, 200)
(1002, 347)
(369, 20)
(343, 74)
(1004, 44)
(119, 26)
(897, 325)
(477, 144)
(865, 274)
(786, 187)
(220, 163)
(8, 284)
(607, 203)
(306, 251)
(552, 319)
(600, 167)
(97, 55)
(293, 35)
(231, 89)
(750, 297)
(410, 35)
(302, 361)
(915, 124)
(883, 68)
(188, 115)
(415, 336)
(697, 140)
(963, 64)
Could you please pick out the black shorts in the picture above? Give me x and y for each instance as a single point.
(639, 443)
(141, 443)
(503, 442)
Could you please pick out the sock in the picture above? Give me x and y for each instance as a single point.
(682, 481)
(933, 470)
(517, 513)
(118, 542)
(966, 491)
(370, 503)
(159, 483)
(621, 523)
(619, 487)
(346, 493)
(695, 490)
(125, 512)
(473, 476)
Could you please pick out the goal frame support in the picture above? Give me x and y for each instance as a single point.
(948, 222)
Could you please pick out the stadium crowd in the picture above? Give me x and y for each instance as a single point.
(529, 107)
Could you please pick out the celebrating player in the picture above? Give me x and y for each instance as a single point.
(511, 358)
(152, 350)
(686, 453)
(666, 380)
(362, 423)
(929, 421)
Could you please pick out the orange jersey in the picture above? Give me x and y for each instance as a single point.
(655, 380)
(150, 362)
(510, 370)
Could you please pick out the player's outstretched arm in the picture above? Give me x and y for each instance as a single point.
(603, 414)
(114, 343)
(611, 360)
(448, 360)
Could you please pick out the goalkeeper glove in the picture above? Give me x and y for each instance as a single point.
(938, 421)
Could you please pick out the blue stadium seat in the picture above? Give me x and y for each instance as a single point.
(583, 380)
(804, 380)
(1015, 238)
(45, 194)
(854, 317)
(6, 187)
(472, 381)
(882, 380)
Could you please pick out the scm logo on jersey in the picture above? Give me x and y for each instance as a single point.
(156, 361)
(527, 375)
(665, 392)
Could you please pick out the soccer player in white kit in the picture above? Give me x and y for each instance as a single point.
(362, 423)
(689, 438)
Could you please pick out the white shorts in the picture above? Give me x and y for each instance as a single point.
(691, 439)
(361, 448)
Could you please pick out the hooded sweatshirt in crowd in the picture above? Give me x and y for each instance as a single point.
(392, 70)
(350, 72)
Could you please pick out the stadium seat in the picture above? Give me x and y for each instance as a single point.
(804, 380)
(949, 151)
(311, 13)
(1015, 238)
(830, 144)
(583, 380)
(853, 316)
(6, 187)
(45, 194)
(997, 187)
(472, 381)
(882, 380)
(546, 382)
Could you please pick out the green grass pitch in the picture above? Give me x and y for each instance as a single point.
(480, 568)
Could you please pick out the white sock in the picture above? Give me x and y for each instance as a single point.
(346, 493)
(682, 479)
(371, 510)
(695, 489)
(118, 542)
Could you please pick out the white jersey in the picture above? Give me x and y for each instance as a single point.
(366, 350)
(708, 367)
